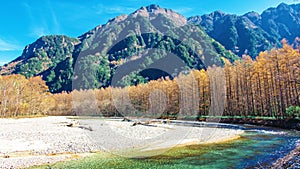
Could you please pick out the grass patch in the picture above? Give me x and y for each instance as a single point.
(106, 161)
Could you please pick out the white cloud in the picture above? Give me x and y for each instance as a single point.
(2, 63)
(120, 9)
(45, 23)
(39, 31)
(183, 10)
(8, 46)
(113, 9)
(55, 22)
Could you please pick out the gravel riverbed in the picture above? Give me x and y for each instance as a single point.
(34, 141)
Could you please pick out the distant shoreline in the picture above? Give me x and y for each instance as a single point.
(279, 123)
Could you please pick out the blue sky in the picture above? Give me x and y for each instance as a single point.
(23, 21)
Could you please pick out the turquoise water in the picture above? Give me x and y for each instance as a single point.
(258, 147)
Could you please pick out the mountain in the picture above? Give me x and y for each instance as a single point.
(44, 53)
(252, 33)
(148, 44)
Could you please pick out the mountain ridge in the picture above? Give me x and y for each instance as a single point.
(262, 31)
(91, 60)
(198, 41)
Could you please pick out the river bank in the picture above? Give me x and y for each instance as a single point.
(279, 123)
(34, 141)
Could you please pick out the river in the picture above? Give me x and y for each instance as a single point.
(258, 147)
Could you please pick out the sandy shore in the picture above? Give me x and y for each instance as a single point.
(34, 141)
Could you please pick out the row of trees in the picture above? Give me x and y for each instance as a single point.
(266, 87)
(23, 97)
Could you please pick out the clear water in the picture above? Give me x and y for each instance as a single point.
(258, 147)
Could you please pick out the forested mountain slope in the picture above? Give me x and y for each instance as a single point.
(91, 60)
(252, 33)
